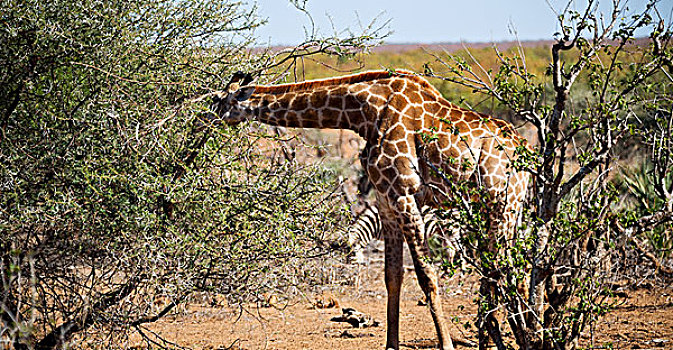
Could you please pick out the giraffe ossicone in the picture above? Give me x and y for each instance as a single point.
(417, 145)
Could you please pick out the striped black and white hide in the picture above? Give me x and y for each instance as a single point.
(443, 242)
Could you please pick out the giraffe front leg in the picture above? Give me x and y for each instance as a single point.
(413, 228)
(394, 274)
(427, 279)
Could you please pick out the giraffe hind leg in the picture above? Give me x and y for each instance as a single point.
(500, 230)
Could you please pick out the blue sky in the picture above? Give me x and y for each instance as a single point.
(423, 21)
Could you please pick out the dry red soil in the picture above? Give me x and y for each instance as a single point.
(643, 319)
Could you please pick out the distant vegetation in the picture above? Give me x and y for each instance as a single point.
(483, 58)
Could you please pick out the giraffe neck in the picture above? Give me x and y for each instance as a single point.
(325, 107)
(352, 102)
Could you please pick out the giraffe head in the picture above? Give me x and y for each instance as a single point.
(227, 104)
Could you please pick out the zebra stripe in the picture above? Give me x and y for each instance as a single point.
(367, 228)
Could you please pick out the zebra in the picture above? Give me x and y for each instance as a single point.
(443, 243)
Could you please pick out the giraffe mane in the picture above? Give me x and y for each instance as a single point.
(346, 79)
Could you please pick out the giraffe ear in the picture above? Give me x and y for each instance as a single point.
(247, 79)
(244, 93)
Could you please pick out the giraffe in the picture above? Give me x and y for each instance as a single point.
(394, 111)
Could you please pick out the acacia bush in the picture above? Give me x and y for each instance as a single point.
(113, 190)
